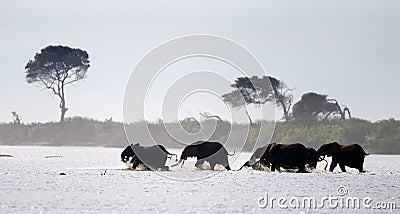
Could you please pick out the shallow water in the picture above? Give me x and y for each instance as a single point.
(31, 183)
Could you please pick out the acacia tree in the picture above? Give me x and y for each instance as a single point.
(56, 67)
(314, 107)
(191, 125)
(258, 91)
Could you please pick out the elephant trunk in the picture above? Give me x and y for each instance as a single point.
(245, 164)
(326, 166)
(180, 162)
(171, 155)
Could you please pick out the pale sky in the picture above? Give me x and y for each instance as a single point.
(347, 49)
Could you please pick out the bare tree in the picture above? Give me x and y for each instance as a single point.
(283, 96)
(16, 117)
(209, 115)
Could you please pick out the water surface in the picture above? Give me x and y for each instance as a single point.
(31, 183)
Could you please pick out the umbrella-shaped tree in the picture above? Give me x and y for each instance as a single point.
(56, 67)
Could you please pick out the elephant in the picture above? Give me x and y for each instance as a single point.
(212, 152)
(152, 157)
(289, 156)
(351, 155)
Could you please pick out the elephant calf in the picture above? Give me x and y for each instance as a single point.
(351, 155)
(152, 157)
(212, 152)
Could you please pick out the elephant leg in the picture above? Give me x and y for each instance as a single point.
(360, 167)
(163, 161)
(226, 163)
(212, 165)
(333, 165)
(199, 163)
(302, 168)
(135, 162)
(273, 166)
(342, 167)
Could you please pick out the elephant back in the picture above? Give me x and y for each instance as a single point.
(206, 149)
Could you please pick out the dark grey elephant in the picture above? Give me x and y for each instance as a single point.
(289, 156)
(152, 157)
(212, 152)
(351, 155)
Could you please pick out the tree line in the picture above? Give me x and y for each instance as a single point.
(381, 137)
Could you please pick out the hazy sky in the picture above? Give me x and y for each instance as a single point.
(347, 49)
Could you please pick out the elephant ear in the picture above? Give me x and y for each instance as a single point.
(259, 152)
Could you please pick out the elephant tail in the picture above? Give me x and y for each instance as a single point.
(166, 151)
(232, 154)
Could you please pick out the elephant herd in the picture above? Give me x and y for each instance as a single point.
(274, 156)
